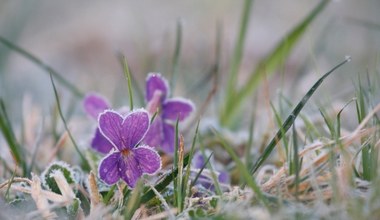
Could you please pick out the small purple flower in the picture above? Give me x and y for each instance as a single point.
(205, 179)
(95, 104)
(129, 160)
(162, 130)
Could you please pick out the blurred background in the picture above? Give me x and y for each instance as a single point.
(82, 40)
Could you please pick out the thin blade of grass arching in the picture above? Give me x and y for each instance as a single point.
(310, 127)
(127, 75)
(85, 164)
(176, 56)
(238, 51)
(15, 148)
(267, 66)
(243, 170)
(291, 118)
(71, 87)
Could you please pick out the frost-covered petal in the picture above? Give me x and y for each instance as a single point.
(199, 160)
(109, 168)
(224, 177)
(135, 127)
(129, 171)
(149, 160)
(156, 82)
(100, 143)
(155, 134)
(169, 136)
(94, 105)
(155, 103)
(111, 126)
(177, 108)
(124, 133)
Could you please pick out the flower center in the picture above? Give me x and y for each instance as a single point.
(125, 152)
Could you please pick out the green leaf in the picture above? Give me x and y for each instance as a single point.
(49, 182)
(267, 66)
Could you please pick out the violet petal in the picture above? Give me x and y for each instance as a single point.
(100, 143)
(110, 125)
(129, 170)
(224, 177)
(156, 82)
(108, 168)
(177, 108)
(94, 105)
(127, 133)
(155, 102)
(155, 133)
(149, 160)
(135, 127)
(169, 136)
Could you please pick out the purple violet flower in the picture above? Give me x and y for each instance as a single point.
(162, 131)
(205, 179)
(95, 104)
(129, 160)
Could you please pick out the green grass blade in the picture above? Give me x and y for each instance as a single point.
(291, 118)
(238, 51)
(71, 87)
(175, 163)
(108, 196)
(248, 157)
(14, 147)
(176, 56)
(169, 178)
(85, 164)
(296, 162)
(329, 123)
(138, 91)
(249, 180)
(134, 200)
(279, 123)
(188, 169)
(127, 75)
(267, 66)
(218, 190)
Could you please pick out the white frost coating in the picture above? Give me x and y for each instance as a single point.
(61, 164)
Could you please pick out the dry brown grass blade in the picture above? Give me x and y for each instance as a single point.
(94, 191)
